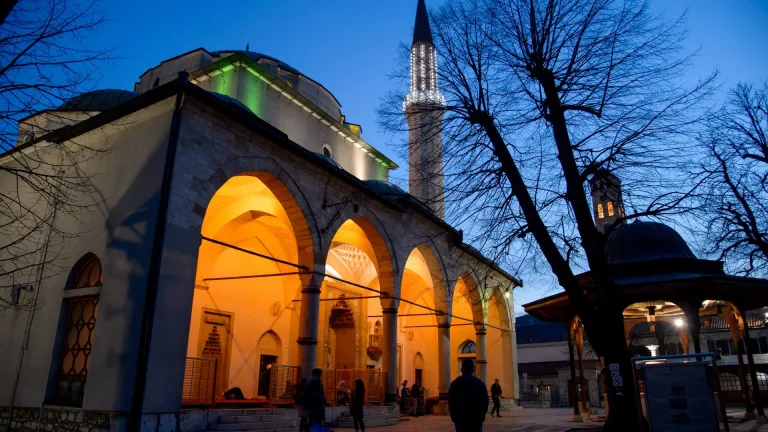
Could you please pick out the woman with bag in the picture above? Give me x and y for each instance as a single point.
(356, 407)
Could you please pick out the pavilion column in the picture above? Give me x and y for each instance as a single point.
(756, 396)
(572, 391)
(308, 324)
(733, 324)
(389, 358)
(481, 360)
(694, 324)
(685, 340)
(582, 379)
(444, 359)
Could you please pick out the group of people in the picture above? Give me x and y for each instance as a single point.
(310, 399)
(410, 400)
(467, 400)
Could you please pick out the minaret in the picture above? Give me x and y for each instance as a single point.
(607, 203)
(424, 110)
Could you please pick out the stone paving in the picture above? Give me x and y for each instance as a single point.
(534, 420)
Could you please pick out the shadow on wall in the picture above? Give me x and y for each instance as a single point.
(130, 229)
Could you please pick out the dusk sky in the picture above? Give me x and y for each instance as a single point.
(349, 46)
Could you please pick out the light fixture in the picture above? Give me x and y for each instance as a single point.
(654, 349)
(679, 322)
(507, 294)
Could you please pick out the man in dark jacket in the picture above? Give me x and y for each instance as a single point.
(468, 400)
(495, 395)
(314, 397)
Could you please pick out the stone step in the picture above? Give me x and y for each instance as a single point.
(366, 418)
(260, 426)
(258, 418)
(370, 424)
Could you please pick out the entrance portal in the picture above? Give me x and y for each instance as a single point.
(342, 323)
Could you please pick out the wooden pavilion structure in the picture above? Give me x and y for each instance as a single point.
(661, 280)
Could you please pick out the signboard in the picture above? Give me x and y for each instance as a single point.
(616, 378)
(678, 397)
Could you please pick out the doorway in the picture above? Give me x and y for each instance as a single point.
(265, 367)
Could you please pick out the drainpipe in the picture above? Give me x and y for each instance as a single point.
(150, 302)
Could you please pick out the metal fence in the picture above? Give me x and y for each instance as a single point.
(282, 384)
(199, 381)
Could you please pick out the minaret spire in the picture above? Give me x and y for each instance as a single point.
(424, 107)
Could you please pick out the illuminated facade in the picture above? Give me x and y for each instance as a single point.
(247, 234)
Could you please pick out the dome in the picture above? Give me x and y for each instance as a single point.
(98, 100)
(646, 241)
(328, 160)
(385, 188)
(230, 100)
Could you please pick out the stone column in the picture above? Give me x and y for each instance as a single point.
(481, 361)
(582, 379)
(389, 357)
(444, 359)
(308, 324)
(572, 394)
(756, 397)
(694, 324)
(733, 324)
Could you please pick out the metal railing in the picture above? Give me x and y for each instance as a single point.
(199, 381)
(282, 384)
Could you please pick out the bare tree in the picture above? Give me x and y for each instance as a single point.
(735, 202)
(44, 62)
(541, 95)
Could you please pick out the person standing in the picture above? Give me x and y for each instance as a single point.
(405, 398)
(356, 404)
(415, 395)
(298, 397)
(468, 399)
(314, 398)
(496, 395)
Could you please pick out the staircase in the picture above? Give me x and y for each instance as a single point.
(258, 419)
(373, 416)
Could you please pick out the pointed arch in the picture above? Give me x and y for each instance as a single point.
(86, 273)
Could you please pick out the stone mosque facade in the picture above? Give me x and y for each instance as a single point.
(245, 234)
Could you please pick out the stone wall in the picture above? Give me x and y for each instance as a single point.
(57, 419)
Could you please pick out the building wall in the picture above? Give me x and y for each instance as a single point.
(119, 231)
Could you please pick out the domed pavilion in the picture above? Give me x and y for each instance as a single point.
(672, 302)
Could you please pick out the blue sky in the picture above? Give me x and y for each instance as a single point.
(350, 46)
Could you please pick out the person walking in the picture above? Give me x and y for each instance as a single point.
(298, 397)
(415, 395)
(468, 399)
(356, 405)
(314, 398)
(496, 395)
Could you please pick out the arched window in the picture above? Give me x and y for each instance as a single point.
(609, 206)
(469, 347)
(600, 213)
(327, 151)
(76, 333)
(86, 273)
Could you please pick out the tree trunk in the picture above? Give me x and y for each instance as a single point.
(624, 414)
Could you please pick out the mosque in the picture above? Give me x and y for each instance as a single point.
(245, 233)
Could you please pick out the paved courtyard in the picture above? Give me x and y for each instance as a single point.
(534, 420)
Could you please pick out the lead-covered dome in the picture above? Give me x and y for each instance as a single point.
(646, 241)
(98, 100)
(385, 188)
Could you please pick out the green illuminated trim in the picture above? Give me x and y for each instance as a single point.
(253, 101)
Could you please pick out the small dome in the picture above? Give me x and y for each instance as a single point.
(98, 100)
(328, 160)
(385, 188)
(230, 100)
(646, 241)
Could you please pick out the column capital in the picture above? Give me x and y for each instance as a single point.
(311, 290)
(480, 331)
(389, 310)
